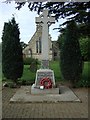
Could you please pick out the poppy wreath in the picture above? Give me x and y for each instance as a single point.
(46, 80)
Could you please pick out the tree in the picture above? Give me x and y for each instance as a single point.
(71, 59)
(0, 61)
(83, 41)
(77, 11)
(0, 53)
(12, 57)
(61, 37)
(23, 44)
(84, 46)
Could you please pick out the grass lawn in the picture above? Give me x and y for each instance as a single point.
(27, 74)
(30, 76)
(54, 65)
(85, 74)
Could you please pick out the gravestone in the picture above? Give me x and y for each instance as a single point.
(45, 20)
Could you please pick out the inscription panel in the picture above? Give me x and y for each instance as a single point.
(40, 75)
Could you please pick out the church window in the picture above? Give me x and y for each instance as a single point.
(36, 46)
(40, 47)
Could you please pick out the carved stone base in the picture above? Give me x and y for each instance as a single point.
(37, 91)
(41, 73)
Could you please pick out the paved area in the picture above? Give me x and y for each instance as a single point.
(0, 100)
(45, 110)
(24, 95)
(0, 105)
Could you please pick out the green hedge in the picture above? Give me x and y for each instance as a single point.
(28, 61)
(85, 82)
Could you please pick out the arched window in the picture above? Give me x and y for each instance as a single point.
(38, 46)
(30, 52)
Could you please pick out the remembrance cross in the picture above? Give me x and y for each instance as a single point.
(45, 19)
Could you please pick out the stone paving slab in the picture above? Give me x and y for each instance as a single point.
(0, 105)
(46, 111)
(24, 95)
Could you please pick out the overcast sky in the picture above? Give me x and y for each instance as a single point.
(25, 19)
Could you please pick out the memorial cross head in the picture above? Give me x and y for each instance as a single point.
(45, 18)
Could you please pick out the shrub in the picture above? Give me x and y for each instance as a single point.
(83, 83)
(71, 59)
(84, 46)
(33, 66)
(25, 82)
(28, 61)
(12, 57)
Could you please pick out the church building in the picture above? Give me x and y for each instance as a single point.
(34, 47)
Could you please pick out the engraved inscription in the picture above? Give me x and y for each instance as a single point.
(40, 75)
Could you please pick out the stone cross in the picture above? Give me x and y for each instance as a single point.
(45, 20)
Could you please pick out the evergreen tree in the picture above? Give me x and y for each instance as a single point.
(23, 44)
(0, 53)
(71, 60)
(12, 57)
(77, 11)
(84, 46)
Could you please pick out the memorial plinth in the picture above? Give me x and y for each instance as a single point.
(36, 91)
(41, 73)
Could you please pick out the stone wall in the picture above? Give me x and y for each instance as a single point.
(55, 51)
(30, 50)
